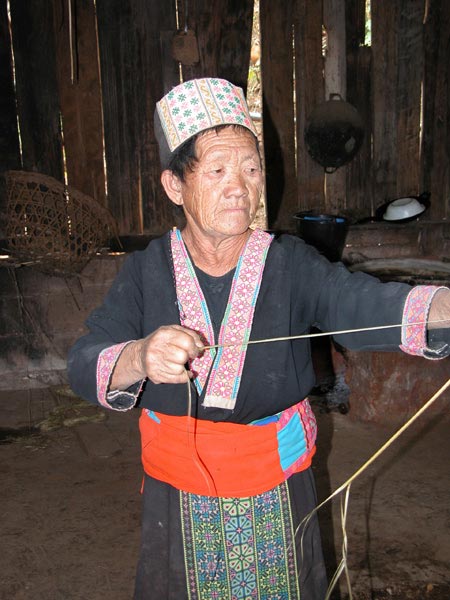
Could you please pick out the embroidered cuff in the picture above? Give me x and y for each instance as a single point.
(415, 316)
(116, 399)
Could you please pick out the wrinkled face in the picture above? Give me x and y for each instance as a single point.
(221, 196)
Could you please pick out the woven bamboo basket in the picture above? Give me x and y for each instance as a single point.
(52, 226)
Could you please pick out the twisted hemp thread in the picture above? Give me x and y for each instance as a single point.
(346, 486)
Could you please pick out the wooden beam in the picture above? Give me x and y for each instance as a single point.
(132, 82)
(9, 138)
(335, 76)
(335, 64)
(309, 92)
(359, 202)
(385, 16)
(9, 135)
(204, 19)
(155, 78)
(80, 96)
(435, 157)
(277, 69)
(408, 96)
(224, 31)
(36, 85)
(355, 24)
(235, 41)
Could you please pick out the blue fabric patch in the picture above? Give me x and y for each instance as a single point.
(151, 414)
(265, 420)
(291, 442)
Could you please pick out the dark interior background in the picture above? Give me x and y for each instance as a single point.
(87, 77)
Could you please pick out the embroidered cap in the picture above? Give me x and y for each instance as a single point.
(197, 105)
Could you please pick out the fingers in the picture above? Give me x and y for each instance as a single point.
(186, 339)
(177, 339)
(166, 352)
(169, 374)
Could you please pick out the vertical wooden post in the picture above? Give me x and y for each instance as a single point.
(80, 96)
(309, 92)
(9, 139)
(359, 64)
(36, 85)
(335, 71)
(435, 157)
(335, 65)
(278, 111)
(132, 82)
(224, 31)
(408, 97)
(384, 89)
(235, 41)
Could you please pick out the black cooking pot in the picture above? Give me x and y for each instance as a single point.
(334, 133)
(325, 232)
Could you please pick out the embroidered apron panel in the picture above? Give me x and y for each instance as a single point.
(239, 548)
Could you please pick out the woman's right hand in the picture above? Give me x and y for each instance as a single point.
(161, 356)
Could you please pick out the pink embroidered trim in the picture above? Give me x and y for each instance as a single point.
(105, 365)
(192, 306)
(417, 307)
(309, 423)
(226, 368)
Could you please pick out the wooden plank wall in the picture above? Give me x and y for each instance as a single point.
(359, 93)
(78, 76)
(308, 69)
(278, 107)
(102, 83)
(223, 30)
(407, 137)
(9, 139)
(99, 71)
(132, 82)
(435, 165)
(36, 85)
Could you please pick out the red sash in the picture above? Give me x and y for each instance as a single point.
(220, 459)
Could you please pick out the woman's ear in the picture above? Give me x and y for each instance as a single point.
(172, 186)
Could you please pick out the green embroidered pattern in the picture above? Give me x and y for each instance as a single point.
(239, 548)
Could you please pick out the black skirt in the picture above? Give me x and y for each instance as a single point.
(201, 547)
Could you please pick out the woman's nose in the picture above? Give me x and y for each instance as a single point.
(235, 184)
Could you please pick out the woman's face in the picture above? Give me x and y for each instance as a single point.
(220, 196)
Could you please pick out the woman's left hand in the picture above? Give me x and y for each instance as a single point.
(439, 315)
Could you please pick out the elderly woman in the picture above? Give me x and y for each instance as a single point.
(227, 431)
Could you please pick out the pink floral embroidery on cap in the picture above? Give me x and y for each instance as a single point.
(200, 104)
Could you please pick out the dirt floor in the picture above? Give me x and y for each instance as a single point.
(71, 504)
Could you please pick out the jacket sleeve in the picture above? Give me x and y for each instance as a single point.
(340, 300)
(111, 326)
